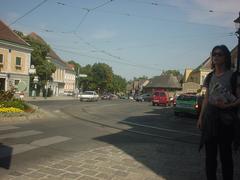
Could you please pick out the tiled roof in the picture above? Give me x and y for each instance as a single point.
(205, 65)
(51, 53)
(7, 34)
(164, 81)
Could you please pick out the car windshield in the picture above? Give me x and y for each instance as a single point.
(161, 94)
(186, 98)
(88, 93)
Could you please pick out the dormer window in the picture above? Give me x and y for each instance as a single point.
(18, 62)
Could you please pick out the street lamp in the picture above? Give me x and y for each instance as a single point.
(35, 81)
(237, 24)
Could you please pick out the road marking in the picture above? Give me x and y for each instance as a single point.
(49, 141)
(20, 134)
(3, 128)
(21, 148)
(163, 129)
(10, 150)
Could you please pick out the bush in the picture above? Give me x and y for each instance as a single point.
(15, 104)
(7, 95)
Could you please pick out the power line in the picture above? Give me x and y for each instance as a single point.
(27, 13)
(83, 18)
(101, 5)
(157, 18)
(88, 10)
(160, 4)
(116, 61)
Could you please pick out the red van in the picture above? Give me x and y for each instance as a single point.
(161, 98)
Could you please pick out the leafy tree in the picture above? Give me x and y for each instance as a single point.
(173, 72)
(118, 84)
(44, 67)
(86, 82)
(102, 75)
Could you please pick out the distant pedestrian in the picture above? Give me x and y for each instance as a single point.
(76, 93)
(219, 113)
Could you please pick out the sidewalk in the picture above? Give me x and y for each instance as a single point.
(52, 98)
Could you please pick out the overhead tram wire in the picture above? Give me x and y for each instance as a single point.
(27, 13)
(97, 49)
(154, 17)
(101, 5)
(160, 4)
(88, 10)
(111, 60)
(83, 18)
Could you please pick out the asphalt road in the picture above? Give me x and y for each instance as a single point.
(152, 136)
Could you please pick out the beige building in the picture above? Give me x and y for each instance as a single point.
(194, 79)
(15, 60)
(69, 79)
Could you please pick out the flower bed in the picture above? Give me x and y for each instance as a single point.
(14, 106)
(10, 110)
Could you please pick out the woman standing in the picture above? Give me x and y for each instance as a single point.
(217, 131)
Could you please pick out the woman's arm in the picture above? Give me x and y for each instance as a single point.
(236, 103)
(204, 103)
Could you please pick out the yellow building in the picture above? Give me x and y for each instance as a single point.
(15, 60)
(193, 79)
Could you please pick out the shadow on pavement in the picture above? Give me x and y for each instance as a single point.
(168, 158)
(176, 158)
(5, 156)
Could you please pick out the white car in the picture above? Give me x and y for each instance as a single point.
(89, 96)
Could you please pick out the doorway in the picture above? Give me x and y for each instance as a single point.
(2, 84)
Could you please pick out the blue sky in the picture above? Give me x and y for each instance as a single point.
(135, 37)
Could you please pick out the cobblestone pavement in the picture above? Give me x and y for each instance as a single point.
(105, 163)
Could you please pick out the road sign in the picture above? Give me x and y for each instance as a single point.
(82, 75)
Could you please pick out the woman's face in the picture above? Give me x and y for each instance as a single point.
(218, 57)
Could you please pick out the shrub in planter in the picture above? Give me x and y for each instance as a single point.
(7, 95)
(15, 103)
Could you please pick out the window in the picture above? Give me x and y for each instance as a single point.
(16, 82)
(1, 58)
(18, 63)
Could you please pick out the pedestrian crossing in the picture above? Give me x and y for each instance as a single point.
(14, 132)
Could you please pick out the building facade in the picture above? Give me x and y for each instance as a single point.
(15, 61)
(69, 79)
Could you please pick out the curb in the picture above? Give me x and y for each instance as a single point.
(24, 117)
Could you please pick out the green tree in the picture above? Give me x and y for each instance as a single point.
(86, 83)
(173, 72)
(102, 76)
(44, 67)
(118, 84)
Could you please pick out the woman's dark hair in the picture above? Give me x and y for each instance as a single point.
(227, 55)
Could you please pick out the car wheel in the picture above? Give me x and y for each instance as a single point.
(153, 104)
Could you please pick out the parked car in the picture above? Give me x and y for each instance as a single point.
(109, 96)
(188, 104)
(89, 96)
(144, 97)
(161, 98)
